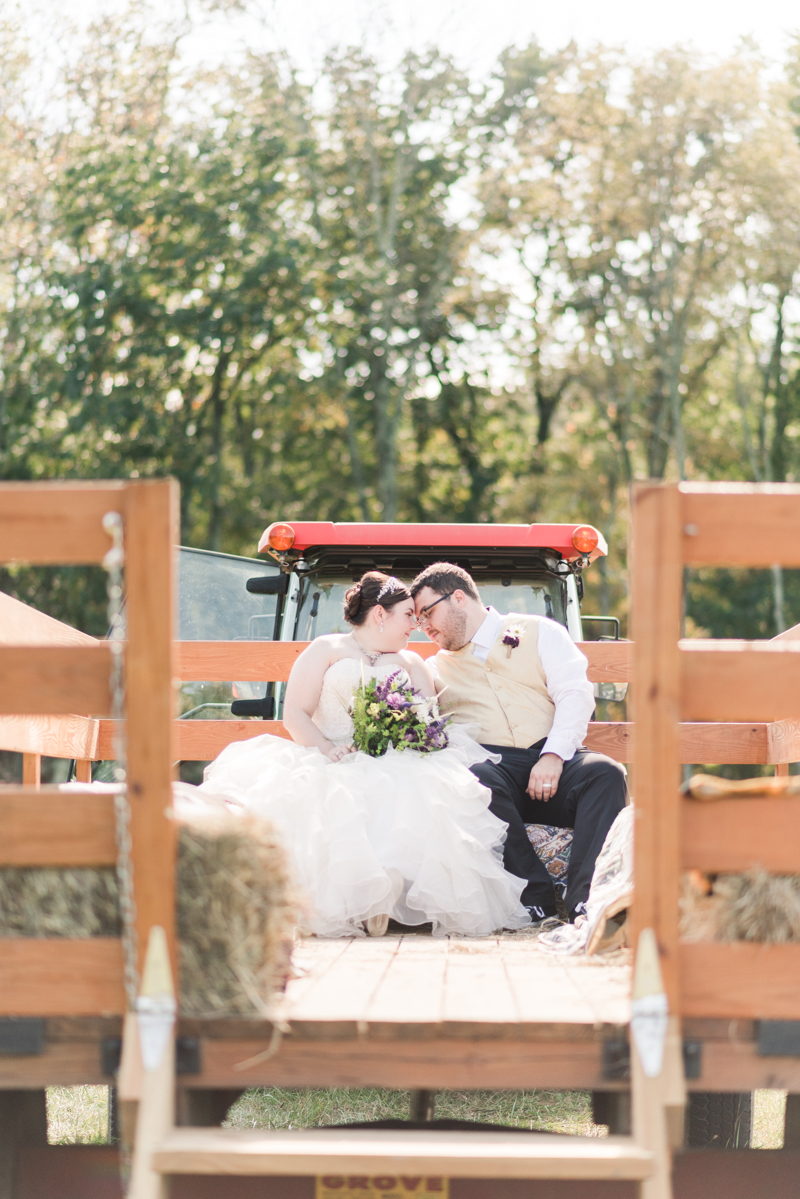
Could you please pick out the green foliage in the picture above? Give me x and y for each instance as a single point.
(398, 295)
(738, 603)
(74, 594)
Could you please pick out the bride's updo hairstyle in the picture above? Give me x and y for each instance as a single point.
(373, 588)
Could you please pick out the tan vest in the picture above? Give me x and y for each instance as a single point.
(506, 696)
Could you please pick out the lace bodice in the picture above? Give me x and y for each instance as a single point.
(332, 715)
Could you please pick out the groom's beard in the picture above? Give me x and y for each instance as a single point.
(453, 634)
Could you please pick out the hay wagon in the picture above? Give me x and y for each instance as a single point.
(405, 1011)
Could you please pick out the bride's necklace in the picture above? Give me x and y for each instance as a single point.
(371, 658)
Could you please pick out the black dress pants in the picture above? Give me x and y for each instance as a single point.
(591, 792)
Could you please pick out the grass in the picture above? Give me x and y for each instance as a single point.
(553, 1111)
(79, 1115)
(769, 1108)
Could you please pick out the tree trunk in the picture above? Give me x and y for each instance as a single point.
(777, 595)
(217, 414)
(386, 446)
(357, 467)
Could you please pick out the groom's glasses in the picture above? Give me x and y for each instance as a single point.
(425, 614)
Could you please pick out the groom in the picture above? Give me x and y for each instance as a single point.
(522, 680)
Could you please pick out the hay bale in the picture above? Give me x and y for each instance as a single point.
(235, 914)
(235, 910)
(755, 906)
(758, 907)
(45, 902)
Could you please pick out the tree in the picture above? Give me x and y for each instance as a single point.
(181, 274)
(635, 211)
(391, 250)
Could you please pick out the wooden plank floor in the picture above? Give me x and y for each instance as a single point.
(405, 981)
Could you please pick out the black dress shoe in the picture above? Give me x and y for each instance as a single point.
(541, 915)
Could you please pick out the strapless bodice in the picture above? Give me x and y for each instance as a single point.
(333, 713)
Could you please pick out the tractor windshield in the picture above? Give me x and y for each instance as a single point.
(322, 602)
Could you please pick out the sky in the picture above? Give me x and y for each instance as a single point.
(475, 31)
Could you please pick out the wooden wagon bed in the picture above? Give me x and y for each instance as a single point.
(418, 1012)
(405, 1011)
(412, 1011)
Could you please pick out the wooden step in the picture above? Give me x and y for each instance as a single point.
(371, 1151)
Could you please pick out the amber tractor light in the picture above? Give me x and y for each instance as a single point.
(585, 539)
(281, 537)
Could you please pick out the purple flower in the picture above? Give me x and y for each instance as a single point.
(403, 718)
(511, 640)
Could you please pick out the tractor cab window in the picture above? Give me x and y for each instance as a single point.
(321, 606)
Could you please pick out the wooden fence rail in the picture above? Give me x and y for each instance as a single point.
(87, 739)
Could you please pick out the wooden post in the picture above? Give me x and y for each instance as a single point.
(655, 1090)
(156, 1113)
(151, 533)
(83, 771)
(656, 595)
(32, 770)
(650, 1128)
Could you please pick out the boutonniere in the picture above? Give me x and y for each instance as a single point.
(512, 638)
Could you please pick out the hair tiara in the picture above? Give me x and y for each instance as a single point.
(389, 587)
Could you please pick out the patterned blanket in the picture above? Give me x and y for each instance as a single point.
(552, 847)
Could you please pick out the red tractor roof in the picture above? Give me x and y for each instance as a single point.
(315, 533)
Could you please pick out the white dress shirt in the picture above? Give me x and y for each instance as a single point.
(564, 669)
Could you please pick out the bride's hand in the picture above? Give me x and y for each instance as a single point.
(337, 752)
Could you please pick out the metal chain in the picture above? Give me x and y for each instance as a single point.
(113, 563)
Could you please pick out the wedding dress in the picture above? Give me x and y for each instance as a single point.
(406, 834)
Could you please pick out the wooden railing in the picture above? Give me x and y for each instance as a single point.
(711, 681)
(73, 736)
(739, 703)
(51, 679)
(609, 661)
(68, 735)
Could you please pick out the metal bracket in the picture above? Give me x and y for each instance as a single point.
(778, 1038)
(188, 1056)
(110, 1055)
(22, 1036)
(692, 1059)
(617, 1059)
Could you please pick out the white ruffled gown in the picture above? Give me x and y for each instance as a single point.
(407, 834)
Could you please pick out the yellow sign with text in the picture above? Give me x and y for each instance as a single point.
(381, 1186)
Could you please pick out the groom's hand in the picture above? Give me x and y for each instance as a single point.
(543, 782)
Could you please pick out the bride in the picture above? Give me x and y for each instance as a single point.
(408, 835)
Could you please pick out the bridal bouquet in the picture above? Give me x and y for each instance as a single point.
(394, 713)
